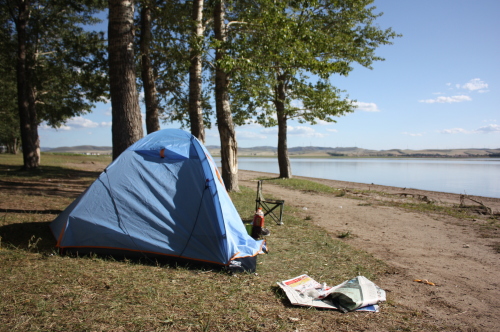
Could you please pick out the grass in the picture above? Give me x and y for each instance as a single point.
(43, 291)
(305, 185)
(344, 235)
(450, 210)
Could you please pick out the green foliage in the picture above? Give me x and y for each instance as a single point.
(66, 64)
(9, 118)
(305, 185)
(301, 44)
(171, 43)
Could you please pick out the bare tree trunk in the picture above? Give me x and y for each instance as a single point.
(148, 78)
(26, 94)
(229, 146)
(195, 109)
(283, 159)
(13, 146)
(126, 127)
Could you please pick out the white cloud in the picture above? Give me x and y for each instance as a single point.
(80, 122)
(454, 131)
(413, 134)
(270, 130)
(367, 107)
(77, 122)
(475, 84)
(332, 130)
(442, 99)
(304, 131)
(297, 103)
(44, 126)
(63, 127)
(491, 128)
(248, 135)
(322, 122)
(301, 131)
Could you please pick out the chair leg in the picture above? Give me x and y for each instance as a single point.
(270, 211)
(259, 202)
(282, 206)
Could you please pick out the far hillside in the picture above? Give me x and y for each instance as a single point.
(82, 149)
(312, 151)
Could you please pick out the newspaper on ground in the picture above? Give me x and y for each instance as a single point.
(358, 294)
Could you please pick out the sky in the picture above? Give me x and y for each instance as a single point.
(438, 88)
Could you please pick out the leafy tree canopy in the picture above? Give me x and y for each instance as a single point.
(66, 63)
(9, 124)
(171, 41)
(300, 45)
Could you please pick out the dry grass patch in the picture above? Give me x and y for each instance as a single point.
(465, 215)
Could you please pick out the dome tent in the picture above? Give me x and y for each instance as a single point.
(163, 196)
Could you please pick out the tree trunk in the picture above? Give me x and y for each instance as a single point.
(13, 146)
(126, 124)
(148, 78)
(279, 101)
(229, 146)
(195, 109)
(26, 94)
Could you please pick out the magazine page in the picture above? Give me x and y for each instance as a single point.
(356, 294)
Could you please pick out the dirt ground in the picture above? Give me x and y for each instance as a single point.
(446, 251)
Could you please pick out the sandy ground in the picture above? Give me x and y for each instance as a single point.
(440, 249)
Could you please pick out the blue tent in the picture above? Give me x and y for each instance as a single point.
(162, 196)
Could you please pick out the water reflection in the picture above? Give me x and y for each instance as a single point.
(472, 176)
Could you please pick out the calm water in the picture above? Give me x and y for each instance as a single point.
(472, 176)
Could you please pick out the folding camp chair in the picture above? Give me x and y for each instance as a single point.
(269, 205)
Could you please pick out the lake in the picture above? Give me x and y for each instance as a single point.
(477, 176)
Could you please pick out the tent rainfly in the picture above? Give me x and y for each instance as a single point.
(163, 196)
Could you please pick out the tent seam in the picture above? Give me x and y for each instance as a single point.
(118, 214)
(216, 202)
(196, 222)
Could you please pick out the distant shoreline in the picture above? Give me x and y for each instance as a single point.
(314, 152)
(372, 157)
(492, 202)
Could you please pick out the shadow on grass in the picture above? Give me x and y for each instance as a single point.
(49, 181)
(148, 259)
(29, 236)
(47, 172)
(42, 188)
(31, 211)
(37, 237)
(281, 295)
